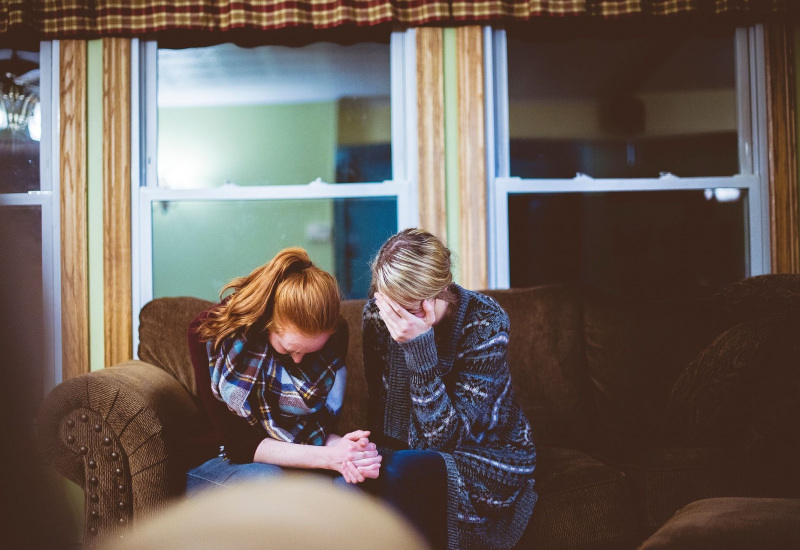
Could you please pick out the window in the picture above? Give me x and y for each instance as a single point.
(29, 223)
(250, 150)
(628, 163)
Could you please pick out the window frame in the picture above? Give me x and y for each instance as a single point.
(144, 145)
(47, 198)
(753, 168)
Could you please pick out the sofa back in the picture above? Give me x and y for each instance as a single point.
(587, 368)
(546, 359)
(593, 370)
(636, 348)
(163, 329)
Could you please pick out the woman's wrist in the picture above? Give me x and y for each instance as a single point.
(420, 352)
(328, 455)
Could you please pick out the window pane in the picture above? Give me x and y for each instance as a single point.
(654, 242)
(199, 246)
(21, 304)
(622, 107)
(274, 115)
(20, 121)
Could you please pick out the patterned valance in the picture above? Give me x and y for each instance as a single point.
(51, 19)
(526, 10)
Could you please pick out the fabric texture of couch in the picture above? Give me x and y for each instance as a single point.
(639, 407)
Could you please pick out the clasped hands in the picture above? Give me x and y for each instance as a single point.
(356, 457)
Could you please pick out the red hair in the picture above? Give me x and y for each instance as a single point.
(287, 292)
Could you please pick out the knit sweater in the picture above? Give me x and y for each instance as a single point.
(449, 390)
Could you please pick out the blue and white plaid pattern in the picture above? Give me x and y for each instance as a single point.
(297, 403)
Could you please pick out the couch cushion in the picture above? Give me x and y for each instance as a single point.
(764, 295)
(743, 390)
(582, 503)
(635, 350)
(663, 480)
(730, 524)
(548, 368)
(354, 408)
(163, 326)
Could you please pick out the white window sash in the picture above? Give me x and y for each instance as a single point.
(751, 115)
(403, 186)
(47, 199)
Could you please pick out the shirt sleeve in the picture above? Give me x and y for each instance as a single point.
(234, 432)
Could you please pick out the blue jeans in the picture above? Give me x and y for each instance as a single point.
(415, 484)
(220, 472)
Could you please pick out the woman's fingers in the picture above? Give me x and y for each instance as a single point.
(430, 315)
(356, 435)
(401, 324)
(388, 305)
(356, 455)
(355, 475)
(371, 472)
(346, 473)
(369, 461)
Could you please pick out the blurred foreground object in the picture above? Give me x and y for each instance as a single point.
(289, 512)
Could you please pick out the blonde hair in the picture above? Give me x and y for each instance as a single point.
(412, 266)
(288, 291)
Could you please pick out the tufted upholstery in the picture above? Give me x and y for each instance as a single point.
(638, 407)
(117, 434)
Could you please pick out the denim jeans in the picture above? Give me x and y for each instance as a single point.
(415, 484)
(220, 472)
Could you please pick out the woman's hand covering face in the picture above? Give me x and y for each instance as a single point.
(401, 323)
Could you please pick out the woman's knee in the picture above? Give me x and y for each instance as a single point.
(220, 472)
(414, 467)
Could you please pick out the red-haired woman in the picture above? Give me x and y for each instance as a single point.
(269, 368)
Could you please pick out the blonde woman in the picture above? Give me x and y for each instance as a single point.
(270, 374)
(458, 457)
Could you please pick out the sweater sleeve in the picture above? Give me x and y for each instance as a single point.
(234, 432)
(446, 415)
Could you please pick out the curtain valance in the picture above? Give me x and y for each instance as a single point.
(52, 19)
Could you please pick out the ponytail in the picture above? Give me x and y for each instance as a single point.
(288, 291)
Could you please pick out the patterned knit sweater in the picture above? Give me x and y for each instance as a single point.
(449, 390)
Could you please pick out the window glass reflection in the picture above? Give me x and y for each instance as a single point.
(198, 259)
(20, 121)
(21, 304)
(622, 107)
(274, 115)
(648, 242)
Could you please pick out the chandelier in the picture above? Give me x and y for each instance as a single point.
(19, 101)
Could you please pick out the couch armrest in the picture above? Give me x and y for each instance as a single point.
(117, 434)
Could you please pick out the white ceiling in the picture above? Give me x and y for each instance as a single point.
(231, 75)
(586, 67)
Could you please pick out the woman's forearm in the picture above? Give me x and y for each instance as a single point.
(353, 455)
(293, 455)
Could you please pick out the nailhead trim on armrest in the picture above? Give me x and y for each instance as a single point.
(108, 484)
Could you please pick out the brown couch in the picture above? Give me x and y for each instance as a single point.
(639, 407)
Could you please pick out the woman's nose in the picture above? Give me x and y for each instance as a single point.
(297, 357)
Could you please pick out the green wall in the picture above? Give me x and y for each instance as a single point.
(94, 203)
(198, 246)
(246, 145)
